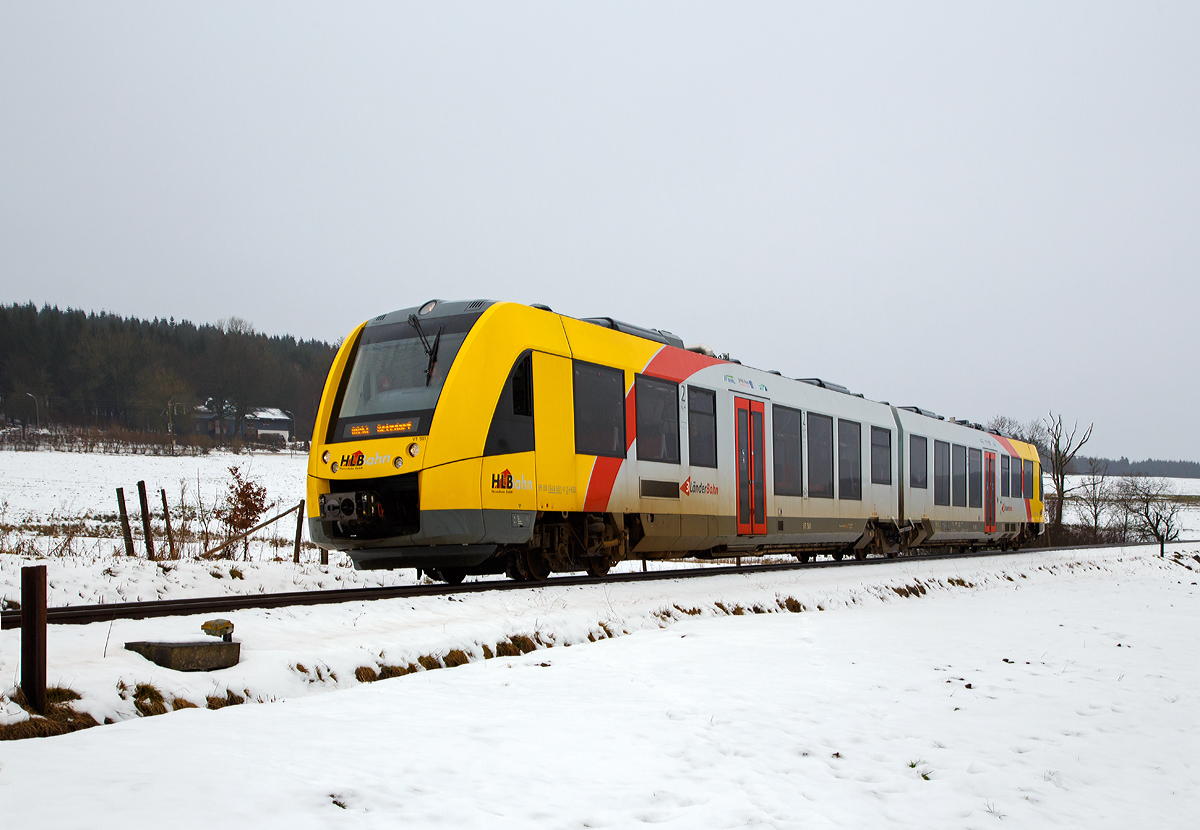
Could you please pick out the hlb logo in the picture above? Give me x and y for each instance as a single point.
(355, 460)
(505, 483)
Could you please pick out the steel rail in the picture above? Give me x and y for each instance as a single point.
(83, 614)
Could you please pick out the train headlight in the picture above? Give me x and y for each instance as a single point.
(334, 468)
(413, 449)
(428, 307)
(325, 457)
(399, 462)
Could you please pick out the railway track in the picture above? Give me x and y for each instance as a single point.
(83, 614)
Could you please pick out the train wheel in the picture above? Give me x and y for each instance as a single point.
(860, 555)
(536, 566)
(837, 556)
(803, 557)
(596, 566)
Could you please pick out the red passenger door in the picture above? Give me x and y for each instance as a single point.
(989, 492)
(751, 467)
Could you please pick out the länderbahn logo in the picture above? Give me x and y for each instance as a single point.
(505, 483)
(697, 488)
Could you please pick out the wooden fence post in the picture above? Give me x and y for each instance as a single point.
(167, 519)
(33, 637)
(125, 522)
(146, 520)
(299, 532)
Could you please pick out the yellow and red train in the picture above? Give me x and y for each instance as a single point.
(485, 437)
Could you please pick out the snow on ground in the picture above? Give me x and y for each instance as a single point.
(1041, 690)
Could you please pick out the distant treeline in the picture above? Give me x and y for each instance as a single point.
(103, 370)
(1149, 467)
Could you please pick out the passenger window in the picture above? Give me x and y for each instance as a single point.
(918, 462)
(975, 476)
(1016, 479)
(820, 456)
(512, 422)
(599, 397)
(1041, 484)
(786, 439)
(941, 473)
(1028, 489)
(959, 478)
(849, 460)
(657, 419)
(1004, 474)
(881, 455)
(702, 427)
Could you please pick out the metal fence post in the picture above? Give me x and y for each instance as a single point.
(146, 520)
(167, 520)
(299, 532)
(33, 637)
(125, 522)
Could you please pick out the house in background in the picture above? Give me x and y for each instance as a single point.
(260, 423)
(266, 422)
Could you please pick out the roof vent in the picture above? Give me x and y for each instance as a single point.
(474, 304)
(541, 307)
(824, 384)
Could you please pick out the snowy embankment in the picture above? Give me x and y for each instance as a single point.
(1042, 690)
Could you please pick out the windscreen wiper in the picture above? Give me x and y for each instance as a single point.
(430, 349)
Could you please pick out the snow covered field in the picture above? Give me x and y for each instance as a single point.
(1051, 690)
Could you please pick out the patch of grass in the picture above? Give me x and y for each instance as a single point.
(691, 612)
(300, 668)
(148, 700)
(793, 605)
(59, 719)
(178, 703)
(230, 699)
(488, 654)
(365, 674)
(456, 657)
(527, 645)
(721, 605)
(429, 663)
(758, 609)
(236, 573)
(386, 672)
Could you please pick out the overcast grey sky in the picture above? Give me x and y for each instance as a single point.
(975, 208)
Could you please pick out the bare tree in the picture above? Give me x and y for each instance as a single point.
(1154, 511)
(1061, 448)
(1093, 501)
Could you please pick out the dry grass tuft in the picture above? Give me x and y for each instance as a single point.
(230, 699)
(525, 644)
(148, 700)
(488, 654)
(507, 649)
(59, 719)
(793, 605)
(178, 703)
(691, 612)
(457, 657)
(758, 609)
(365, 674)
(386, 672)
(429, 663)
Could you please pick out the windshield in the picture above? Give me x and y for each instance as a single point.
(396, 377)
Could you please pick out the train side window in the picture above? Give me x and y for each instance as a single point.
(702, 427)
(657, 403)
(1016, 478)
(820, 456)
(918, 462)
(975, 476)
(1004, 475)
(959, 477)
(941, 473)
(599, 397)
(785, 434)
(1028, 488)
(881, 455)
(1041, 483)
(512, 423)
(849, 460)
